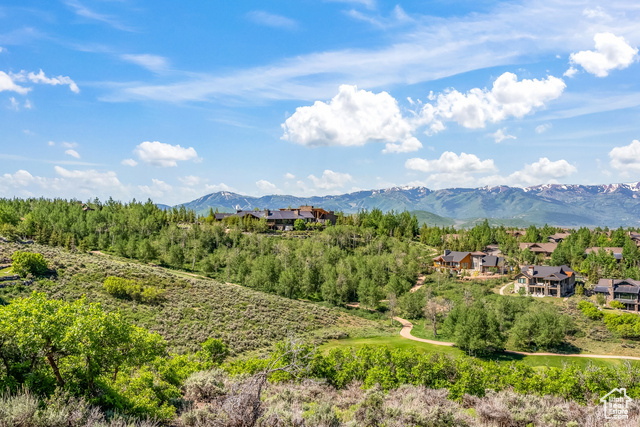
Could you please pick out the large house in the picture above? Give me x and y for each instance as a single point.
(546, 281)
(285, 218)
(626, 291)
(474, 261)
(545, 249)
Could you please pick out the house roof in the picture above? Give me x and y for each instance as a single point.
(452, 256)
(559, 236)
(492, 261)
(627, 286)
(539, 247)
(547, 272)
(616, 252)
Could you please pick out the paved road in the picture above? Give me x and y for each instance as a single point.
(405, 332)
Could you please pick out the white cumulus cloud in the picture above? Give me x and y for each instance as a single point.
(507, 98)
(88, 181)
(544, 171)
(129, 162)
(352, 118)
(157, 188)
(41, 78)
(7, 83)
(450, 162)
(265, 186)
(611, 52)
(289, 175)
(626, 158)
(331, 180)
(165, 155)
(500, 135)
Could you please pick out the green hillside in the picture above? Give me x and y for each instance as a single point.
(194, 308)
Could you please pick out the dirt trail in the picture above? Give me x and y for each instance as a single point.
(405, 332)
(503, 288)
(418, 284)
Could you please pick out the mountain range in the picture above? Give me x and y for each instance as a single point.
(609, 205)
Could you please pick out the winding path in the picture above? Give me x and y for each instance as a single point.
(407, 326)
(504, 287)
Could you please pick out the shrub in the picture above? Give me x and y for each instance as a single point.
(617, 304)
(25, 263)
(130, 289)
(589, 310)
(205, 386)
(215, 350)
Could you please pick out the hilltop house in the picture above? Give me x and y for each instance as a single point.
(474, 261)
(285, 218)
(546, 281)
(558, 237)
(626, 291)
(545, 249)
(615, 252)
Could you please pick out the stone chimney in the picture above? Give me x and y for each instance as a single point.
(266, 212)
(447, 252)
(610, 286)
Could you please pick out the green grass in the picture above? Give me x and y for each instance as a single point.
(406, 344)
(6, 272)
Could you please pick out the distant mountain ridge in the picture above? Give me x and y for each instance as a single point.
(610, 205)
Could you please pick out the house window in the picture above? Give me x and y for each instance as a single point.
(522, 280)
(621, 295)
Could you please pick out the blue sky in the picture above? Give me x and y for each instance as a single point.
(175, 100)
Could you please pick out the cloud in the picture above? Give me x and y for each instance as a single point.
(85, 12)
(543, 128)
(218, 187)
(69, 144)
(88, 181)
(626, 158)
(164, 155)
(611, 53)
(266, 187)
(451, 163)
(153, 63)
(7, 84)
(544, 171)
(331, 180)
(14, 104)
(508, 98)
(157, 188)
(21, 178)
(289, 175)
(129, 162)
(571, 72)
(500, 135)
(72, 153)
(41, 78)
(352, 118)
(190, 180)
(596, 12)
(431, 49)
(271, 20)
